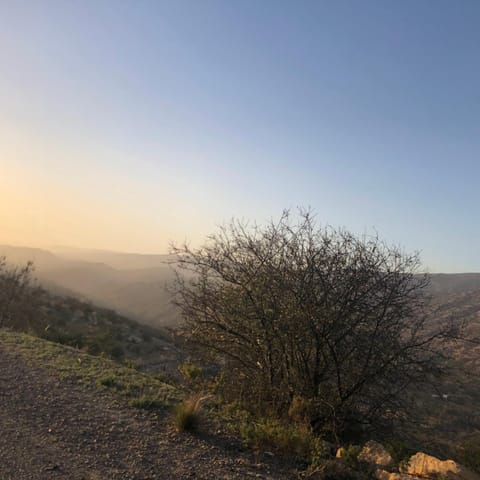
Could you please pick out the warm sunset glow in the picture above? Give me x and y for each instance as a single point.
(163, 122)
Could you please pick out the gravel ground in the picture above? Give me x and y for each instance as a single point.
(56, 429)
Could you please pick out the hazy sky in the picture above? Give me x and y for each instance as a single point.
(124, 125)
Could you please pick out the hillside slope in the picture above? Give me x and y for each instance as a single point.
(132, 284)
(447, 412)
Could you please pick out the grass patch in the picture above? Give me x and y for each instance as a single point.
(285, 438)
(148, 403)
(108, 381)
(102, 373)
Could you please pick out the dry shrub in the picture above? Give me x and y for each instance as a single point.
(188, 413)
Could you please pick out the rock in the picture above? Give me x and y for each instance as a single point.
(425, 465)
(375, 453)
(340, 452)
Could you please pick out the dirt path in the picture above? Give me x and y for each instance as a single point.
(52, 429)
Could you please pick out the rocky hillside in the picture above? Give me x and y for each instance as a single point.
(132, 284)
(448, 410)
(101, 331)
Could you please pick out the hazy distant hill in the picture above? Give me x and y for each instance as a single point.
(42, 258)
(454, 282)
(119, 260)
(132, 284)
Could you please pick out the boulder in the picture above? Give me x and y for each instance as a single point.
(426, 466)
(340, 452)
(375, 454)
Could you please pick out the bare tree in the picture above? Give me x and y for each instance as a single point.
(297, 311)
(17, 294)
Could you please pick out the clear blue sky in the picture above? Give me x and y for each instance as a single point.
(128, 124)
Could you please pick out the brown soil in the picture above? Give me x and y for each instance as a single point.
(57, 429)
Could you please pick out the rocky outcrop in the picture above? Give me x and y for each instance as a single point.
(375, 454)
(419, 467)
(426, 466)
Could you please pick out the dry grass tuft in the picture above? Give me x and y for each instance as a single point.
(188, 413)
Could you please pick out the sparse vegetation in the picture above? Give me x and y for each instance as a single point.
(146, 402)
(468, 453)
(290, 431)
(350, 456)
(399, 450)
(25, 307)
(265, 434)
(283, 438)
(140, 389)
(190, 371)
(109, 381)
(18, 295)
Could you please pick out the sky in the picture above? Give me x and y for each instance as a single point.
(127, 125)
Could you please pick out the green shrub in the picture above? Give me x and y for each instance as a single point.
(269, 434)
(285, 439)
(399, 451)
(319, 452)
(350, 456)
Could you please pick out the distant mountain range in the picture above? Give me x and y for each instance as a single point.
(132, 284)
(454, 282)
